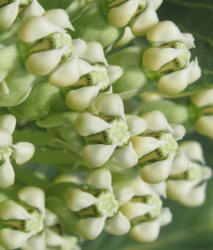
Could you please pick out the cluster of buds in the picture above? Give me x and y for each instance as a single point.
(10, 10)
(21, 152)
(187, 183)
(139, 15)
(204, 102)
(26, 224)
(169, 57)
(134, 208)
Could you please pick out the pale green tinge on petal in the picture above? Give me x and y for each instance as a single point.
(87, 124)
(35, 28)
(117, 225)
(94, 53)
(156, 121)
(6, 138)
(158, 171)
(100, 179)
(8, 15)
(178, 131)
(34, 9)
(12, 239)
(110, 104)
(203, 98)
(135, 209)
(59, 17)
(8, 122)
(80, 99)
(144, 145)
(97, 154)
(115, 72)
(145, 21)
(7, 175)
(91, 228)
(164, 32)
(180, 164)
(146, 231)
(66, 74)
(155, 58)
(36, 242)
(42, 63)
(23, 152)
(121, 15)
(125, 157)
(165, 216)
(33, 197)
(10, 210)
(136, 124)
(77, 200)
(193, 150)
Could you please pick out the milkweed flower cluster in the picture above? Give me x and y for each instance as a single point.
(67, 96)
(170, 57)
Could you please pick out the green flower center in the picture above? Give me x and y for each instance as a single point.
(157, 203)
(5, 152)
(35, 224)
(169, 146)
(99, 77)
(107, 204)
(118, 134)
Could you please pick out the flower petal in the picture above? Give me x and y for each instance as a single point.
(178, 131)
(24, 151)
(35, 242)
(8, 122)
(100, 179)
(117, 225)
(115, 72)
(193, 150)
(180, 164)
(7, 175)
(8, 14)
(5, 138)
(34, 9)
(136, 124)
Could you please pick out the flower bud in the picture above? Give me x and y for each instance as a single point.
(118, 225)
(24, 151)
(203, 98)
(204, 125)
(193, 150)
(7, 175)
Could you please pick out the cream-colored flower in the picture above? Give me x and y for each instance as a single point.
(108, 132)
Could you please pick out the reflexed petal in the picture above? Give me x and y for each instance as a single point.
(135, 209)
(158, 171)
(42, 63)
(35, 242)
(79, 46)
(144, 21)
(206, 173)
(180, 164)
(195, 73)
(8, 122)
(97, 154)
(8, 14)
(35, 28)
(126, 38)
(156, 121)
(157, 3)
(159, 188)
(77, 200)
(121, 15)
(5, 138)
(7, 175)
(34, 9)
(117, 225)
(66, 74)
(85, 67)
(90, 228)
(193, 150)
(53, 239)
(33, 197)
(24, 151)
(115, 72)
(12, 239)
(203, 98)
(125, 157)
(94, 53)
(140, 187)
(136, 124)
(59, 17)
(165, 216)
(146, 231)
(80, 99)
(10, 210)
(155, 58)
(123, 193)
(50, 219)
(110, 104)
(144, 145)
(100, 179)
(87, 124)
(178, 131)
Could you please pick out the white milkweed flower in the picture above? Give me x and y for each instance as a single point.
(156, 147)
(21, 152)
(23, 219)
(108, 132)
(169, 56)
(48, 42)
(10, 10)
(86, 73)
(187, 185)
(140, 15)
(97, 206)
